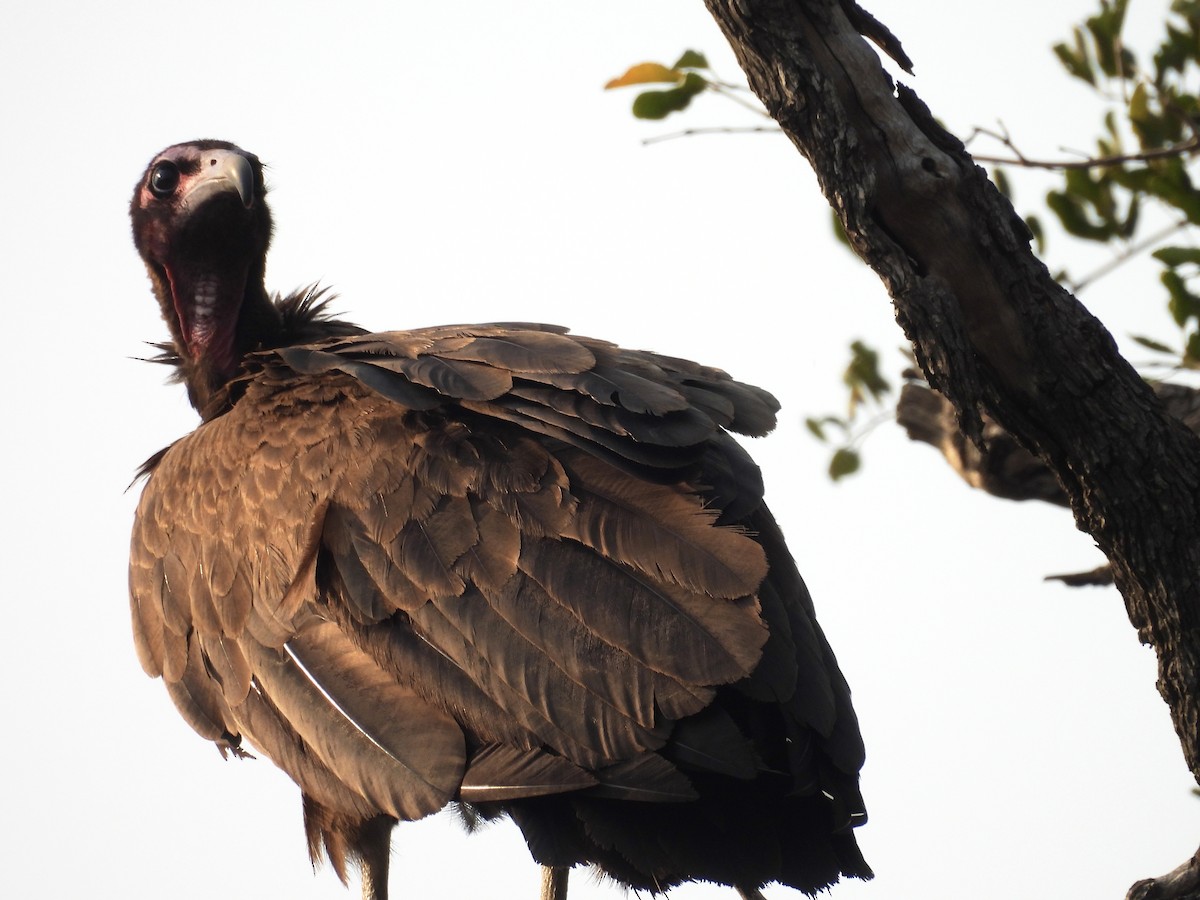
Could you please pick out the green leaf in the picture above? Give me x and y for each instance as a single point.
(1151, 344)
(1177, 256)
(1074, 218)
(693, 83)
(862, 374)
(691, 59)
(1168, 179)
(844, 462)
(817, 426)
(1183, 304)
(1001, 181)
(1139, 103)
(1105, 27)
(660, 104)
(1076, 60)
(1159, 123)
(1191, 358)
(645, 73)
(1180, 47)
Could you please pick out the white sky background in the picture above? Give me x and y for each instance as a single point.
(459, 162)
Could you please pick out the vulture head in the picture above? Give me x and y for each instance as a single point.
(202, 227)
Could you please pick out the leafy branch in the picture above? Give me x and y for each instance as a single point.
(867, 389)
(689, 76)
(1135, 194)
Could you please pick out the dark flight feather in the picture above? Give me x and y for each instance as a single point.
(646, 778)
(668, 628)
(660, 531)
(503, 772)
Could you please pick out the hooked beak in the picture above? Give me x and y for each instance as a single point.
(221, 171)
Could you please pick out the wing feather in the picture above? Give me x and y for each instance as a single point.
(198, 698)
(646, 778)
(525, 352)
(684, 635)
(228, 664)
(472, 631)
(492, 559)
(412, 660)
(661, 531)
(376, 736)
(612, 386)
(532, 713)
(427, 549)
(319, 362)
(501, 772)
(461, 379)
(177, 577)
(712, 741)
(599, 668)
(270, 732)
(145, 607)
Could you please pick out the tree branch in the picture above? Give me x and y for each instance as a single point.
(1182, 883)
(990, 327)
(1186, 148)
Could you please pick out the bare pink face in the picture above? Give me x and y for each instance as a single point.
(200, 225)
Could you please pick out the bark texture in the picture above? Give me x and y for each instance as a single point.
(990, 328)
(1182, 883)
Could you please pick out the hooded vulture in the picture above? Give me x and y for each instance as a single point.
(498, 566)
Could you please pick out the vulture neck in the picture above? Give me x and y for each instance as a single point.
(208, 370)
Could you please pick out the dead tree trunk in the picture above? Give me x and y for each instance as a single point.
(990, 328)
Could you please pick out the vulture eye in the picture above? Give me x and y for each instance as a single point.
(164, 179)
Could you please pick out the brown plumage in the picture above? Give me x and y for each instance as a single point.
(494, 565)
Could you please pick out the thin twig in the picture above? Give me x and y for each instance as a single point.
(1186, 148)
(1128, 253)
(725, 91)
(691, 132)
(730, 86)
(861, 434)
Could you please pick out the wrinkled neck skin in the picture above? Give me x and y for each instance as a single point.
(217, 315)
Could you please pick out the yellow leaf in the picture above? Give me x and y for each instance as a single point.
(1139, 103)
(646, 73)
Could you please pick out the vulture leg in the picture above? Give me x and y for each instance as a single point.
(554, 883)
(375, 851)
(750, 893)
